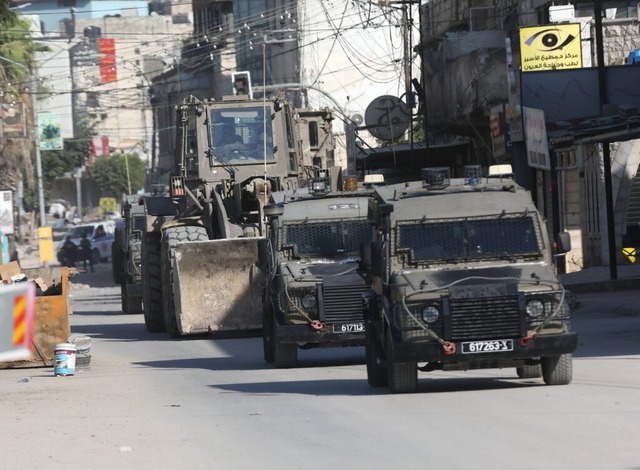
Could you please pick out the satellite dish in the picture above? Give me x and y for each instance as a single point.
(387, 117)
(357, 119)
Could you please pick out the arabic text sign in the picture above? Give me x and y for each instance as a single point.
(550, 47)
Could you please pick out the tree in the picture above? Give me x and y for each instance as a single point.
(55, 163)
(115, 174)
(6, 13)
(17, 46)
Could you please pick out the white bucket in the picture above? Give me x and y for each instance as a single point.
(65, 356)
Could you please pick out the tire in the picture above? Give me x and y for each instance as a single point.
(285, 355)
(529, 371)
(123, 297)
(130, 303)
(557, 370)
(170, 239)
(117, 258)
(376, 370)
(268, 330)
(402, 376)
(152, 283)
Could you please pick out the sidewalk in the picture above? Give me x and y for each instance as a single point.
(598, 279)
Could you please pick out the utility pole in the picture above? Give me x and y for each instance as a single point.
(406, 39)
(606, 149)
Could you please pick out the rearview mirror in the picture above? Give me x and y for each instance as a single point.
(563, 244)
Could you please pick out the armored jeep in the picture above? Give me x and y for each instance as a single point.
(463, 278)
(311, 258)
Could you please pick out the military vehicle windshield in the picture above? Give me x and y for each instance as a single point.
(326, 237)
(139, 224)
(238, 136)
(445, 240)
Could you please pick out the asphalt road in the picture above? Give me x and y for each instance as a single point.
(148, 401)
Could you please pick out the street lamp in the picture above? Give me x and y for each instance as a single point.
(34, 112)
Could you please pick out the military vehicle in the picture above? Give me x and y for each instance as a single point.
(312, 261)
(140, 214)
(462, 277)
(126, 254)
(231, 155)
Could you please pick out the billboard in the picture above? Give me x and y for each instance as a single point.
(108, 70)
(550, 47)
(49, 129)
(535, 130)
(13, 123)
(6, 212)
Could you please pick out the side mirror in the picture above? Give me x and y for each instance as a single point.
(378, 259)
(563, 244)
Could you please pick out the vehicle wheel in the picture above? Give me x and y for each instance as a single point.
(170, 239)
(529, 371)
(130, 303)
(557, 370)
(152, 283)
(285, 355)
(95, 256)
(123, 296)
(376, 371)
(268, 330)
(402, 376)
(117, 258)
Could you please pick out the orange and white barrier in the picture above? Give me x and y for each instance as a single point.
(17, 302)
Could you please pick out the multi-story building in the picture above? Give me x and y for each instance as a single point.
(475, 87)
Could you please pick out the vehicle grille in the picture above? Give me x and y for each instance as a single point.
(484, 318)
(342, 303)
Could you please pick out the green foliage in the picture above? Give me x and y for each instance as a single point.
(16, 45)
(110, 174)
(6, 14)
(55, 163)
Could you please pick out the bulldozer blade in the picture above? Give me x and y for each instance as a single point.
(218, 286)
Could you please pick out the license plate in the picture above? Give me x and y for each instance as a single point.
(495, 345)
(348, 327)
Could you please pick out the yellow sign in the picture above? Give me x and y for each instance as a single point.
(107, 204)
(631, 254)
(45, 236)
(551, 47)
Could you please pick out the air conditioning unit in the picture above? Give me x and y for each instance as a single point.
(562, 13)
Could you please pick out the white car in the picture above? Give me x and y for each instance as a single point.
(101, 235)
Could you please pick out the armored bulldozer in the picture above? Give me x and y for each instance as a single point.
(462, 278)
(311, 258)
(231, 155)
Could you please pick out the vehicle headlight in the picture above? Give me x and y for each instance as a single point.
(430, 314)
(535, 308)
(309, 301)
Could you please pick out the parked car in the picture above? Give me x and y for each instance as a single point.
(101, 235)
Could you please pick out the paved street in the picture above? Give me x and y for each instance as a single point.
(151, 402)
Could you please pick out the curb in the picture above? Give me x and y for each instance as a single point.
(604, 286)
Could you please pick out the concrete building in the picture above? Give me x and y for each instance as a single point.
(475, 87)
(340, 56)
